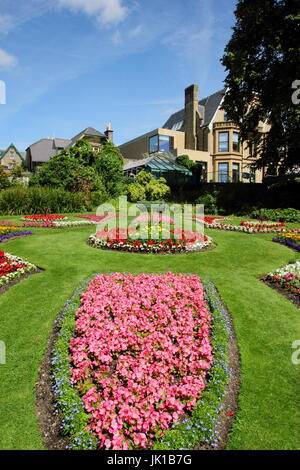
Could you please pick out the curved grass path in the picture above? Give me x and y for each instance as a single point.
(266, 325)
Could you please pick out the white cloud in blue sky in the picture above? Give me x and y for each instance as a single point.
(105, 11)
(69, 64)
(7, 60)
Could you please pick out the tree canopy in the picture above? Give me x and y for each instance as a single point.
(80, 168)
(146, 188)
(262, 60)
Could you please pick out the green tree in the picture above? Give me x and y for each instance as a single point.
(109, 164)
(4, 181)
(262, 61)
(66, 172)
(185, 161)
(146, 187)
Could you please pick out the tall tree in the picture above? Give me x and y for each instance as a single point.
(262, 59)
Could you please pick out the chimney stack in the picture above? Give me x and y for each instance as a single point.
(109, 133)
(191, 111)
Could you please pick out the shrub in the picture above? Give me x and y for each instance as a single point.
(65, 172)
(4, 181)
(146, 187)
(109, 165)
(210, 203)
(40, 200)
(279, 215)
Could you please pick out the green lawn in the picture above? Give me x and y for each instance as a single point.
(266, 325)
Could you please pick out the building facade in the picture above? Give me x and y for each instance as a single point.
(202, 131)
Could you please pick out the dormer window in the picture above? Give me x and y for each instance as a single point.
(177, 126)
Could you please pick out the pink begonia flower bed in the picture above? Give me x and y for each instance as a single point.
(140, 354)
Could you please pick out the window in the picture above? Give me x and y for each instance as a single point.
(225, 116)
(223, 173)
(235, 172)
(164, 143)
(153, 144)
(202, 171)
(236, 142)
(252, 175)
(177, 126)
(160, 143)
(223, 142)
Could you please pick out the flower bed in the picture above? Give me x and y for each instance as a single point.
(5, 223)
(7, 232)
(291, 240)
(12, 267)
(130, 407)
(180, 241)
(287, 278)
(93, 217)
(261, 225)
(59, 224)
(44, 217)
(249, 229)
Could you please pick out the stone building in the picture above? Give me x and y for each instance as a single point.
(202, 131)
(11, 158)
(44, 149)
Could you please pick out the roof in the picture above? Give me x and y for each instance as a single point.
(44, 149)
(88, 131)
(159, 162)
(207, 109)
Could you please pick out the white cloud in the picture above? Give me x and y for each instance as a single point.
(6, 23)
(7, 60)
(105, 11)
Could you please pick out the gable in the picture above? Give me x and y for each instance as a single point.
(9, 155)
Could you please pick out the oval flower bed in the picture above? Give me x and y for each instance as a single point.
(179, 241)
(12, 267)
(261, 225)
(59, 224)
(140, 373)
(140, 354)
(44, 217)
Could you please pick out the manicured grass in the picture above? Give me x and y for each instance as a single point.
(266, 325)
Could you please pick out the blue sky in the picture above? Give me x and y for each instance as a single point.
(70, 64)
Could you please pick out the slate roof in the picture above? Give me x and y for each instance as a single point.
(44, 149)
(207, 108)
(88, 131)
